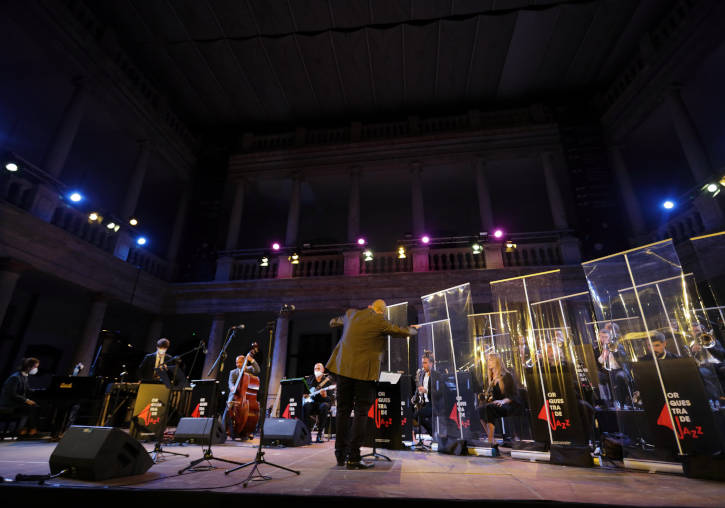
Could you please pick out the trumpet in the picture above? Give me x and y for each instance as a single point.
(704, 340)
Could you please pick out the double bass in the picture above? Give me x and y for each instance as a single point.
(242, 403)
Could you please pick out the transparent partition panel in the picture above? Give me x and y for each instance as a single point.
(397, 355)
(710, 253)
(650, 377)
(446, 336)
(550, 359)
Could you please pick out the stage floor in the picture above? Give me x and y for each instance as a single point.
(409, 475)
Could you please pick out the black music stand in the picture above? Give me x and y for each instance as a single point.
(207, 453)
(374, 454)
(255, 474)
(420, 445)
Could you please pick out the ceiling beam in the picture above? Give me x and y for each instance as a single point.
(467, 91)
(370, 67)
(302, 58)
(238, 64)
(334, 54)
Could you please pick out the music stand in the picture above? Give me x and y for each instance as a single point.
(420, 445)
(158, 448)
(207, 453)
(259, 459)
(388, 377)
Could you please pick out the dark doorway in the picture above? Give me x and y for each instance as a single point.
(306, 350)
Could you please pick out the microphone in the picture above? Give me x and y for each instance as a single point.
(238, 327)
(203, 346)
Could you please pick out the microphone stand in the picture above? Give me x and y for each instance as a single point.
(259, 459)
(207, 454)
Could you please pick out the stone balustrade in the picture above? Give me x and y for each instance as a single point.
(681, 226)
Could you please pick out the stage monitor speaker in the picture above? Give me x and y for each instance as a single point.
(99, 453)
(197, 430)
(286, 431)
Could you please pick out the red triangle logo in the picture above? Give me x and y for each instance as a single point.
(285, 414)
(454, 415)
(664, 418)
(371, 411)
(195, 412)
(144, 414)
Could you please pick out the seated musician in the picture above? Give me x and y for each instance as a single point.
(15, 397)
(500, 398)
(614, 369)
(423, 410)
(709, 353)
(659, 348)
(320, 403)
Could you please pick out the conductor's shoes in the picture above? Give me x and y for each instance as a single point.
(341, 457)
(359, 464)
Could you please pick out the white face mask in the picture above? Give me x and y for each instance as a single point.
(33, 371)
(161, 352)
(318, 374)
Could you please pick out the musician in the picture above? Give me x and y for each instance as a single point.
(320, 403)
(500, 398)
(614, 369)
(16, 394)
(659, 348)
(356, 363)
(251, 368)
(710, 356)
(154, 363)
(422, 400)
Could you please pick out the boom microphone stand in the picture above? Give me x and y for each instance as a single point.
(207, 454)
(255, 474)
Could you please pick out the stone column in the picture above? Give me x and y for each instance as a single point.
(484, 196)
(235, 217)
(631, 205)
(179, 222)
(154, 333)
(352, 263)
(689, 139)
(493, 253)
(293, 217)
(214, 346)
(279, 356)
(421, 259)
(556, 202)
(66, 131)
(353, 212)
(416, 172)
(128, 209)
(86, 349)
(9, 275)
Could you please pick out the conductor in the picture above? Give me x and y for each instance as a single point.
(356, 363)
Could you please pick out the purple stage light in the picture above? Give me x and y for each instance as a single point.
(361, 241)
(275, 246)
(498, 234)
(425, 239)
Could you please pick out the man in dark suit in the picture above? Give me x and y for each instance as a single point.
(614, 366)
(659, 348)
(154, 365)
(423, 398)
(356, 362)
(16, 394)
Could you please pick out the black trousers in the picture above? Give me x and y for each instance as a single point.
(358, 395)
(619, 380)
(28, 416)
(489, 412)
(321, 408)
(423, 416)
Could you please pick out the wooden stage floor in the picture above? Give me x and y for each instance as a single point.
(411, 475)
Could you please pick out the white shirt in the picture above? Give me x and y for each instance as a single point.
(425, 383)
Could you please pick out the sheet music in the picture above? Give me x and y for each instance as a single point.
(389, 377)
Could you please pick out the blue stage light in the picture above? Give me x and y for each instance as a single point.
(668, 204)
(141, 240)
(75, 196)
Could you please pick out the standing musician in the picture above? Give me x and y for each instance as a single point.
(710, 357)
(422, 400)
(15, 396)
(251, 368)
(499, 399)
(320, 403)
(356, 362)
(155, 364)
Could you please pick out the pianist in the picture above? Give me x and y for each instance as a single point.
(15, 397)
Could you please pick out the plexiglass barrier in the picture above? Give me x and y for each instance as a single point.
(650, 378)
(397, 355)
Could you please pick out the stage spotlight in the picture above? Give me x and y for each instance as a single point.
(498, 234)
(476, 248)
(11, 166)
(368, 255)
(425, 239)
(133, 221)
(118, 226)
(361, 241)
(294, 259)
(712, 187)
(264, 262)
(141, 240)
(722, 181)
(275, 246)
(510, 245)
(111, 225)
(668, 204)
(93, 217)
(75, 196)
(401, 252)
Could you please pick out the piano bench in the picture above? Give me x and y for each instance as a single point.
(9, 423)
